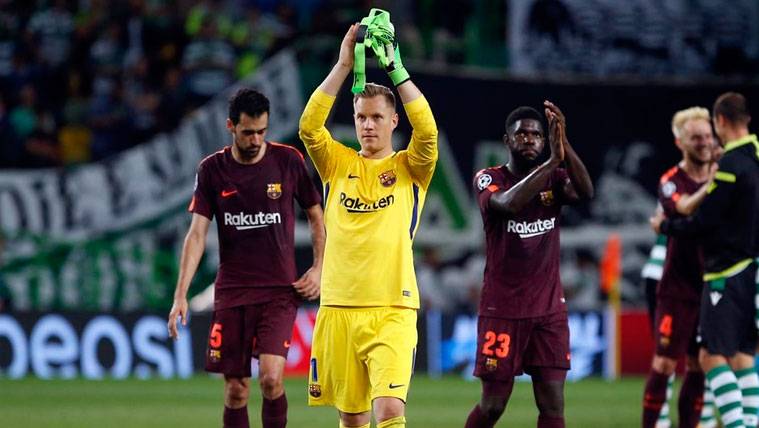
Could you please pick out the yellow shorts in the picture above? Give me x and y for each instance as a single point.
(359, 354)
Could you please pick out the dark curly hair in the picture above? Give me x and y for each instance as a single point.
(248, 101)
(521, 113)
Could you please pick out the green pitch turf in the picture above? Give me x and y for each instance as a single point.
(197, 402)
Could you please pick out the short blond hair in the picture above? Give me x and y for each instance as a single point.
(372, 90)
(683, 116)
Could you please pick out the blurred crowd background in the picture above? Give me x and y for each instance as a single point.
(83, 79)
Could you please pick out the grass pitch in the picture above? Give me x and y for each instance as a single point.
(197, 402)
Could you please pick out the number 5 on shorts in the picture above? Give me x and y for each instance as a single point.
(215, 340)
(503, 339)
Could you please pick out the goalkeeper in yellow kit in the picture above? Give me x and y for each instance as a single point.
(365, 335)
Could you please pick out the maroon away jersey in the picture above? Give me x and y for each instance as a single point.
(684, 264)
(254, 211)
(522, 250)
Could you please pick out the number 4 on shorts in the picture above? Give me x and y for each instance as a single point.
(665, 327)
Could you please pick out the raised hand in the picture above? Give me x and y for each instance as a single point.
(556, 130)
(346, 47)
(556, 111)
(395, 68)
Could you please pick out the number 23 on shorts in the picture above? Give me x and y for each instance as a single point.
(496, 344)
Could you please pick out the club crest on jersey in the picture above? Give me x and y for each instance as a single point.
(387, 178)
(546, 198)
(214, 355)
(491, 364)
(274, 190)
(314, 390)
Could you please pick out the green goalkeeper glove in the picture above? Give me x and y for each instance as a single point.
(393, 64)
(377, 33)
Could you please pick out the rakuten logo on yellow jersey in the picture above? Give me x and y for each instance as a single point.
(355, 205)
(528, 230)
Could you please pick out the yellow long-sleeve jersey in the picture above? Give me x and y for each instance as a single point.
(371, 209)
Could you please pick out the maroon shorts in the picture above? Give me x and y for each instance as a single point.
(239, 333)
(676, 327)
(508, 347)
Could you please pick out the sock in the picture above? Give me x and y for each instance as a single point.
(708, 419)
(654, 397)
(748, 382)
(236, 418)
(727, 395)
(477, 420)
(274, 412)
(396, 422)
(362, 426)
(691, 399)
(664, 421)
(550, 421)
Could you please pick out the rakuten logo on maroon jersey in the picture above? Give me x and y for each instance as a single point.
(244, 221)
(528, 230)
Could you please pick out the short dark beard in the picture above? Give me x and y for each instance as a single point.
(246, 155)
(523, 163)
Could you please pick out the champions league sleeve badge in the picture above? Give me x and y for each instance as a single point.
(483, 181)
(668, 189)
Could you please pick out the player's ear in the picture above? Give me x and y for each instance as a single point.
(394, 120)
(506, 138)
(719, 120)
(230, 125)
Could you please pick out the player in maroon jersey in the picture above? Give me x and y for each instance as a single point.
(522, 324)
(250, 188)
(681, 190)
